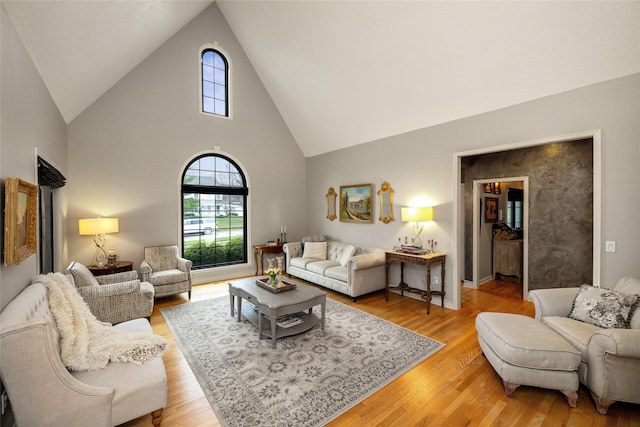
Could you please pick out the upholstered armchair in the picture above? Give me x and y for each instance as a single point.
(168, 272)
(113, 298)
(610, 365)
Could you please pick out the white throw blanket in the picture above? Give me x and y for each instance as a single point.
(86, 343)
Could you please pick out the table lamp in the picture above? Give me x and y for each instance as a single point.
(98, 227)
(417, 215)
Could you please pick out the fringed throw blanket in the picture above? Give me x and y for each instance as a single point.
(86, 343)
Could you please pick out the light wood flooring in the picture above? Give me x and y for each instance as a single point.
(454, 387)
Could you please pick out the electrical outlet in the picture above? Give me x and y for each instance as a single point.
(5, 400)
(436, 281)
(610, 246)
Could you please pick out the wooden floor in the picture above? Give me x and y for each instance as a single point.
(454, 387)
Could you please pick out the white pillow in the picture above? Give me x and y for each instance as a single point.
(348, 252)
(316, 250)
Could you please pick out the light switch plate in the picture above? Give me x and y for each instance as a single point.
(610, 246)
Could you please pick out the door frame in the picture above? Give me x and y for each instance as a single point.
(458, 231)
(525, 230)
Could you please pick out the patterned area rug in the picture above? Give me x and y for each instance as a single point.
(308, 380)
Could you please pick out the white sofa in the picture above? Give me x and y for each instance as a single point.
(44, 393)
(348, 268)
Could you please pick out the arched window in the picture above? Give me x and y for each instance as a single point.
(214, 212)
(215, 83)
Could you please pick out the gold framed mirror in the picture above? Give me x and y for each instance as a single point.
(331, 204)
(385, 194)
(20, 220)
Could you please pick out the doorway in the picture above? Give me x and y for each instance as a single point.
(593, 138)
(497, 191)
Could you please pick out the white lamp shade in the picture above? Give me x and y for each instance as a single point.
(417, 214)
(94, 226)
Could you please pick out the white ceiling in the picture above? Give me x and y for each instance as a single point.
(343, 73)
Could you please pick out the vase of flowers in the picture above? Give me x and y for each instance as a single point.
(273, 272)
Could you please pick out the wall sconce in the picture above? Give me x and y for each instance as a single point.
(417, 215)
(98, 227)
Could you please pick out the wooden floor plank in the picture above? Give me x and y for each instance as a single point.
(454, 387)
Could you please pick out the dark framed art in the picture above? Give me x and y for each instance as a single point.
(491, 209)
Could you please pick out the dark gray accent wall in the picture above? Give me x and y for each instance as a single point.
(560, 208)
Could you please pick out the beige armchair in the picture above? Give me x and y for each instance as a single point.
(168, 272)
(610, 365)
(113, 298)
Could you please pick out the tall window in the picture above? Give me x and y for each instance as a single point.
(514, 208)
(214, 212)
(215, 83)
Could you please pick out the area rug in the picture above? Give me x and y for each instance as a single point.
(308, 379)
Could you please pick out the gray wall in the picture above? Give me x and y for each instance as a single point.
(30, 121)
(560, 209)
(420, 165)
(128, 150)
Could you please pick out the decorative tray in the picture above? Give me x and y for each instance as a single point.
(283, 286)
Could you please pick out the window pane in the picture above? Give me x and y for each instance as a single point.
(220, 76)
(220, 107)
(208, 106)
(207, 89)
(220, 92)
(218, 62)
(207, 58)
(207, 73)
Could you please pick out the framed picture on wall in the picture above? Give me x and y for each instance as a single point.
(491, 209)
(355, 203)
(20, 220)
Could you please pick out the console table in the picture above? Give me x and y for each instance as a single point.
(265, 249)
(428, 260)
(120, 267)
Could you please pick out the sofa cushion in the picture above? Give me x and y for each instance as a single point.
(81, 275)
(168, 277)
(631, 285)
(316, 250)
(603, 307)
(576, 333)
(339, 273)
(301, 262)
(524, 342)
(347, 253)
(319, 267)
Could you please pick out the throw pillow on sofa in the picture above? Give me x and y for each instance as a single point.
(316, 250)
(603, 307)
(347, 253)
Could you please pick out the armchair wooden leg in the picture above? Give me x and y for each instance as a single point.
(156, 417)
(572, 397)
(509, 388)
(602, 403)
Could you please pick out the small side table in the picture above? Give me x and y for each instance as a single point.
(436, 258)
(120, 267)
(264, 249)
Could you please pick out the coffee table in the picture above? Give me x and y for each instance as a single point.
(274, 305)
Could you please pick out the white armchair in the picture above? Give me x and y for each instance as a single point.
(168, 272)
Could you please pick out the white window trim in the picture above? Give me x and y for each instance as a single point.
(215, 46)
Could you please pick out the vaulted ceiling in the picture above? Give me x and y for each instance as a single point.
(343, 73)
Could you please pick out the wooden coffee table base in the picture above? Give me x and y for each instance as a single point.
(272, 306)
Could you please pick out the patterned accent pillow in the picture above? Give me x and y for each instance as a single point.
(603, 307)
(82, 276)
